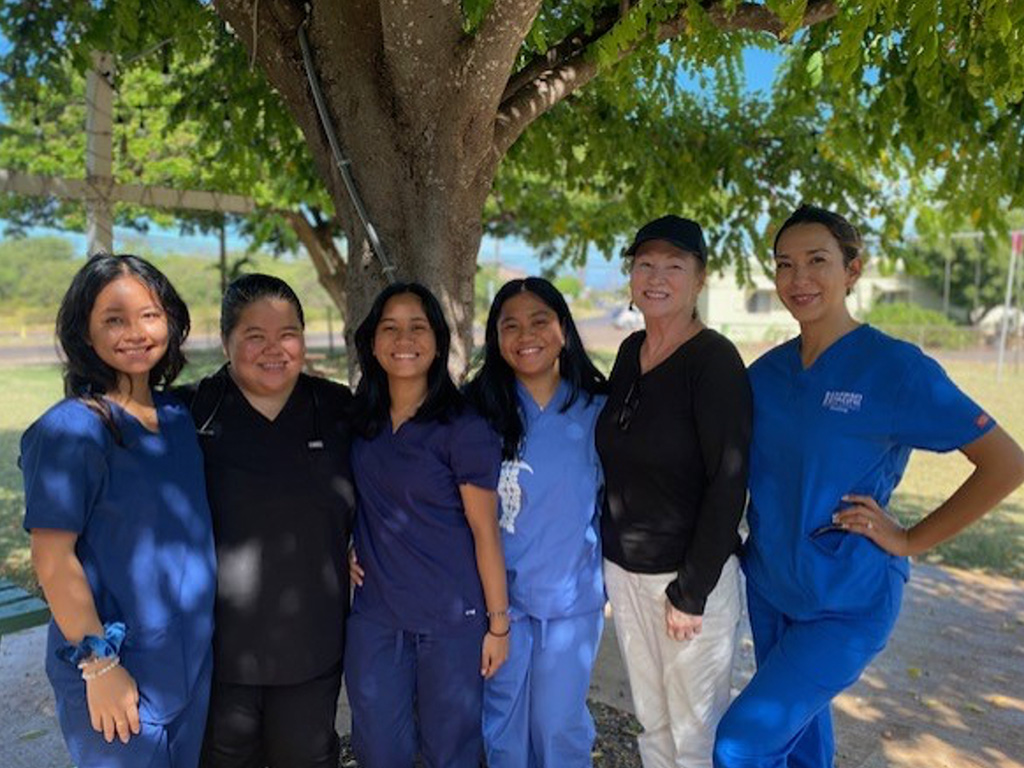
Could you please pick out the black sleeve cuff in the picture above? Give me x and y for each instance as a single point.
(684, 602)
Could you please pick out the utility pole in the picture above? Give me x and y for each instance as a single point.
(1016, 246)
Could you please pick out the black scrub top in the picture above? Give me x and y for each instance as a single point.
(283, 500)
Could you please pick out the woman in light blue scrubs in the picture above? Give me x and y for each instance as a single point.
(837, 411)
(121, 535)
(542, 394)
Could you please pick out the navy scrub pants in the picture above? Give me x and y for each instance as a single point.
(535, 707)
(782, 719)
(414, 693)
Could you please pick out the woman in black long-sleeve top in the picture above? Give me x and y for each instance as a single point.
(673, 440)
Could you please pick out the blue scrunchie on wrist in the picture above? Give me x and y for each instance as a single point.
(95, 647)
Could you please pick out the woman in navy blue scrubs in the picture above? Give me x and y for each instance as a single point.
(121, 536)
(837, 411)
(430, 612)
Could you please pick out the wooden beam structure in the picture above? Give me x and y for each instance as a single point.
(98, 190)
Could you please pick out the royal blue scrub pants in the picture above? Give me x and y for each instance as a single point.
(535, 707)
(413, 692)
(170, 745)
(782, 719)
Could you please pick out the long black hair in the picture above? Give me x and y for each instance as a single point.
(493, 390)
(86, 376)
(373, 399)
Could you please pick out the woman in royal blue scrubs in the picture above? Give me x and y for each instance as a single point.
(121, 535)
(837, 411)
(430, 613)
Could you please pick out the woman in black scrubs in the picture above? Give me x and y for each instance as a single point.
(276, 446)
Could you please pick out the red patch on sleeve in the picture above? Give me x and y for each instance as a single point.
(981, 421)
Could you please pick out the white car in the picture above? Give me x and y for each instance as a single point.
(629, 319)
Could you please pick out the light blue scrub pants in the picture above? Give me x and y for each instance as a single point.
(535, 707)
(782, 719)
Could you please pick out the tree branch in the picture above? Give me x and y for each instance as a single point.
(331, 269)
(492, 51)
(567, 67)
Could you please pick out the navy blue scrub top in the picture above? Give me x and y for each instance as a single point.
(144, 539)
(411, 534)
(844, 425)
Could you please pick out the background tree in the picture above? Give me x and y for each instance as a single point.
(978, 262)
(880, 106)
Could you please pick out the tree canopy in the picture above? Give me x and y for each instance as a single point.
(568, 123)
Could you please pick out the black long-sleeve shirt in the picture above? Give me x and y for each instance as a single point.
(676, 475)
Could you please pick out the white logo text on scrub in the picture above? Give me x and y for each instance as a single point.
(842, 402)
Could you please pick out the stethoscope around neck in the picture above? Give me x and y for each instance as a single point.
(206, 429)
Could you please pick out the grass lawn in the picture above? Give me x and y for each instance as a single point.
(996, 544)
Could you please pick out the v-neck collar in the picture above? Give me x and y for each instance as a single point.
(640, 372)
(128, 417)
(844, 340)
(530, 406)
(289, 404)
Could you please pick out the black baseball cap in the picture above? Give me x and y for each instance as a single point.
(682, 233)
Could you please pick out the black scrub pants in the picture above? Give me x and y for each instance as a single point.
(273, 726)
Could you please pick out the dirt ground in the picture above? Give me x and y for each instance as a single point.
(948, 692)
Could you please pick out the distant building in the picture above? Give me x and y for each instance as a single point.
(754, 313)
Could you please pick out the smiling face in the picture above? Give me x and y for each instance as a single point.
(664, 280)
(810, 276)
(266, 348)
(403, 342)
(530, 336)
(128, 329)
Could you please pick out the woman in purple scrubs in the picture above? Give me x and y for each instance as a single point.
(430, 612)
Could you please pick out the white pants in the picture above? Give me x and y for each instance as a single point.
(680, 688)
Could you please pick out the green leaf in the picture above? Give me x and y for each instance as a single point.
(815, 68)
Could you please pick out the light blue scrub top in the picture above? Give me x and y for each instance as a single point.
(549, 507)
(145, 540)
(844, 425)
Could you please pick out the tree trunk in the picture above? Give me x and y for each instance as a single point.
(417, 127)
(424, 110)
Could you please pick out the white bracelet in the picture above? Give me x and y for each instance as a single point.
(114, 662)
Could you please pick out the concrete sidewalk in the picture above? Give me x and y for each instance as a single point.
(947, 693)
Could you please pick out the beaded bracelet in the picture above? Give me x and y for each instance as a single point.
(115, 661)
(496, 614)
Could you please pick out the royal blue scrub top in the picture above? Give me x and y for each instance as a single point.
(549, 508)
(145, 540)
(844, 425)
(411, 533)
